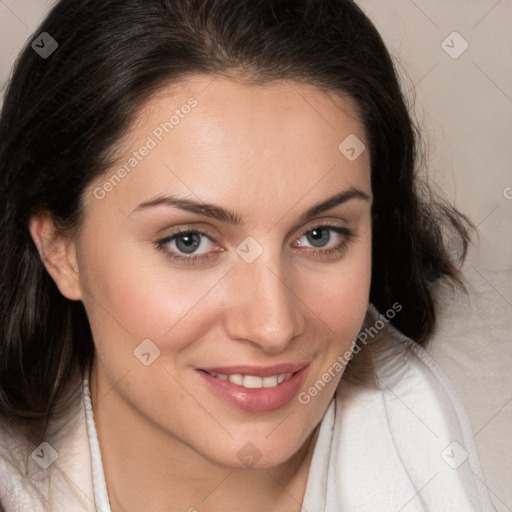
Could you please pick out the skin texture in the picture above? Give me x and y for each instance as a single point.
(267, 152)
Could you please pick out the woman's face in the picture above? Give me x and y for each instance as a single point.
(194, 333)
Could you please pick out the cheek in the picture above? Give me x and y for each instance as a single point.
(339, 296)
(132, 296)
(339, 307)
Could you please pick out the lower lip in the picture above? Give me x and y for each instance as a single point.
(260, 399)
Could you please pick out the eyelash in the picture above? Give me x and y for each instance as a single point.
(349, 236)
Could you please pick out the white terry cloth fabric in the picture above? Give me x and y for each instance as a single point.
(406, 447)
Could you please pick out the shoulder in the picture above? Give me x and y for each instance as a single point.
(52, 473)
(410, 433)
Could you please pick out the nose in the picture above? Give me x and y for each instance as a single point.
(265, 311)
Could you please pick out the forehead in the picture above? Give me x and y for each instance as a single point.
(214, 137)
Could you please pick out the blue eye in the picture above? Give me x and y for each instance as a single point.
(320, 235)
(186, 242)
(182, 245)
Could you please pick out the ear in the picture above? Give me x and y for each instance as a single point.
(58, 254)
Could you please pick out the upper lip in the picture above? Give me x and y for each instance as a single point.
(258, 371)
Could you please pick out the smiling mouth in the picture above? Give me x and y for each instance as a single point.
(253, 381)
(253, 388)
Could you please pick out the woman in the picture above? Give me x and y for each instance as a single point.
(215, 261)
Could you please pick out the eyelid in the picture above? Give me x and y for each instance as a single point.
(186, 229)
(340, 230)
(336, 224)
(319, 253)
(326, 222)
(205, 230)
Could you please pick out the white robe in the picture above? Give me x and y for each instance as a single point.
(406, 447)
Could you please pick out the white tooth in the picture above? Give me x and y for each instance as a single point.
(287, 376)
(221, 377)
(280, 378)
(270, 382)
(253, 382)
(236, 378)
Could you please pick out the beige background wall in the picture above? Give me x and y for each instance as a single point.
(464, 105)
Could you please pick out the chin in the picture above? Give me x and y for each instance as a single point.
(263, 452)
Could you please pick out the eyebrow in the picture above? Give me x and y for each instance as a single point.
(230, 217)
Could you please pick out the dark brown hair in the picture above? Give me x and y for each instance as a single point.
(63, 115)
